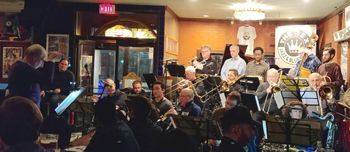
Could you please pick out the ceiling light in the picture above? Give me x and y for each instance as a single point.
(290, 17)
(249, 11)
(306, 1)
(205, 16)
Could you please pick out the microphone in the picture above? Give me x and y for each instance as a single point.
(86, 68)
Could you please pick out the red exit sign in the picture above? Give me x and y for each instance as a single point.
(107, 9)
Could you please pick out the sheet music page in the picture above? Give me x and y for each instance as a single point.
(309, 98)
(222, 99)
(279, 99)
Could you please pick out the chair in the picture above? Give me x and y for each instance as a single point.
(129, 79)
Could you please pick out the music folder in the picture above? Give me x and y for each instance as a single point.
(250, 82)
(251, 101)
(176, 70)
(69, 100)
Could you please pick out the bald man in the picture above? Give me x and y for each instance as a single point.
(235, 62)
(265, 89)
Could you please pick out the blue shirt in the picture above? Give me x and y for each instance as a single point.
(233, 63)
(312, 63)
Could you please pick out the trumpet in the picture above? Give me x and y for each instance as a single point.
(224, 86)
(198, 64)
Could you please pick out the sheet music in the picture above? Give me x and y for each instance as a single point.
(310, 98)
(279, 99)
(222, 99)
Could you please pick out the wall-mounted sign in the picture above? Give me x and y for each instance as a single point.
(289, 41)
(342, 35)
(107, 9)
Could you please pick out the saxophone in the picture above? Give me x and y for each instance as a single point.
(331, 125)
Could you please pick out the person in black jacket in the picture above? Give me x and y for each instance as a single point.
(112, 133)
(205, 65)
(147, 134)
(238, 129)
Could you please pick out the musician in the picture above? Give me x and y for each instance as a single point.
(161, 103)
(137, 89)
(331, 69)
(187, 105)
(294, 110)
(235, 62)
(24, 78)
(315, 81)
(238, 129)
(311, 62)
(63, 79)
(147, 134)
(233, 99)
(205, 65)
(265, 89)
(258, 67)
(113, 95)
(190, 74)
(112, 134)
(232, 78)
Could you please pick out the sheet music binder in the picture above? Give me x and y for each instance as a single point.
(69, 100)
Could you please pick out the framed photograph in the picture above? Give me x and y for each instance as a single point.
(57, 46)
(171, 46)
(10, 55)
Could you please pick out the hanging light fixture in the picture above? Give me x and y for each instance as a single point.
(249, 11)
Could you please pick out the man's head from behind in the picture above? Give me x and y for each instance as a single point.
(139, 107)
(238, 125)
(20, 121)
(34, 55)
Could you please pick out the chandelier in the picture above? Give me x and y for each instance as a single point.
(249, 11)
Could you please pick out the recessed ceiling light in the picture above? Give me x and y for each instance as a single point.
(306, 1)
(205, 16)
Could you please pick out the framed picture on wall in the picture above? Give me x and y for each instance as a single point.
(57, 46)
(10, 55)
(171, 46)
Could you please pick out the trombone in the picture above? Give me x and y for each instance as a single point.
(185, 84)
(275, 87)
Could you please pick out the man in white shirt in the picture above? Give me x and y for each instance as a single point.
(235, 62)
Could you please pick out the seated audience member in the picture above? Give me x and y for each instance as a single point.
(238, 129)
(147, 134)
(112, 134)
(20, 122)
(233, 99)
(294, 110)
(161, 103)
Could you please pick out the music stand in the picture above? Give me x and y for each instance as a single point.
(294, 85)
(292, 132)
(176, 70)
(150, 78)
(251, 101)
(249, 82)
(69, 100)
(197, 127)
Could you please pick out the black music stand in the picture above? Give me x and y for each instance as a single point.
(292, 132)
(294, 85)
(69, 100)
(249, 83)
(150, 78)
(176, 70)
(251, 101)
(200, 128)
